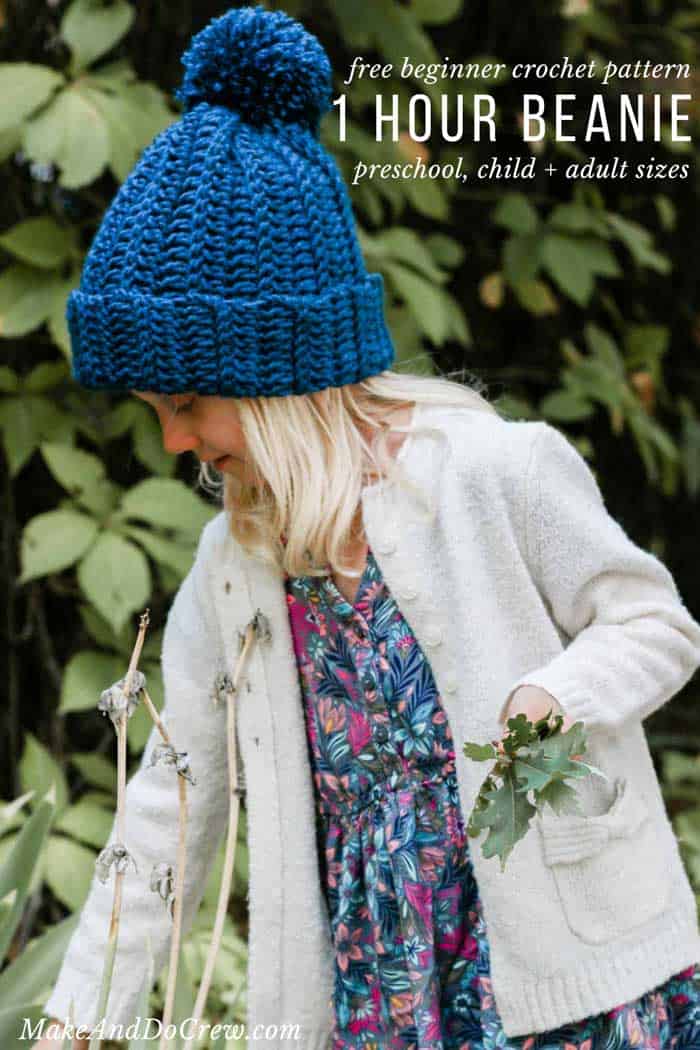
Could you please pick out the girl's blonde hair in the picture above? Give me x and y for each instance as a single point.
(310, 463)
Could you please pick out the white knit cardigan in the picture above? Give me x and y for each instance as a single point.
(522, 577)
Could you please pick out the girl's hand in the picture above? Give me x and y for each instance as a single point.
(534, 703)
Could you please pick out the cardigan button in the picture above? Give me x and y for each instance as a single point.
(451, 682)
(433, 636)
(409, 593)
(386, 546)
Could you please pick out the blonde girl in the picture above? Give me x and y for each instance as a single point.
(423, 568)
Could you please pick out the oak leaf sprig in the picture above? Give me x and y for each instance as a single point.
(532, 758)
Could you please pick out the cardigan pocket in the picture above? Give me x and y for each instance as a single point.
(609, 870)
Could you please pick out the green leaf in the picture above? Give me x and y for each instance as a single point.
(480, 752)
(91, 29)
(69, 871)
(20, 863)
(516, 213)
(86, 822)
(177, 556)
(35, 969)
(73, 468)
(507, 819)
(54, 540)
(568, 264)
(446, 251)
(26, 299)
(41, 242)
(38, 770)
(435, 12)
(425, 301)
(114, 575)
(406, 247)
(24, 87)
(522, 258)
(86, 675)
(96, 769)
(45, 376)
(565, 406)
(603, 346)
(72, 133)
(167, 502)
(536, 297)
(573, 218)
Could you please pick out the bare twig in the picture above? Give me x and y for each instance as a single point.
(117, 853)
(258, 628)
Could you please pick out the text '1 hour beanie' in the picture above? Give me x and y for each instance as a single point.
(228, 261)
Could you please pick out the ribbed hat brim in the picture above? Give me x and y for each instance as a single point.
(236, 347)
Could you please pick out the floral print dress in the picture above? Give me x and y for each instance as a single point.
(411, 946)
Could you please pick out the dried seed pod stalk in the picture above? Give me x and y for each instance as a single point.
(257, 630)
(119, 702)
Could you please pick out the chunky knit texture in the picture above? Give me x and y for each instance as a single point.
(228, 261)
(536, 583)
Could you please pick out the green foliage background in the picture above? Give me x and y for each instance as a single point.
(576, 301)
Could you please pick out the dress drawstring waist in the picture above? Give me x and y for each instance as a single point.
(347, 808)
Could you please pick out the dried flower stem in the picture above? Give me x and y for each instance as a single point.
(113, 935)
(234, 801)
(179, 879)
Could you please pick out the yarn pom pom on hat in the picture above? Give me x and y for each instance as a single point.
(228, 262)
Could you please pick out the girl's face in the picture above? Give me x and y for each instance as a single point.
(207, 426)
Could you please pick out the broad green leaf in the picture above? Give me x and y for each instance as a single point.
(10, 142)
(425, 301)
(177, 556)
(72, 133)
(562, 797)
(568, 264)
(536, 297)
(573, 218)
(54, 540)
(507, 819)
(40, 242)
(86, 675)
(11, 812)
(446, 251)
(69, 871)
(73, 468)
(521, 258)
(516, 213)
(38, 770)
(26, 298)
(96, 769)
(406, 247)
(45, 376)
(9, 380)
(435, 12)
(24, 87)
(564, 406)
(86, 822)
(35, 968)
(91, 28)
(24, 421)
(114, 575)
(167, 502)
(480, 752)
(604, 347)
(22, 860)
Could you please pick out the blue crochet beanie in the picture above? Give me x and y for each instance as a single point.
(228, 261)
